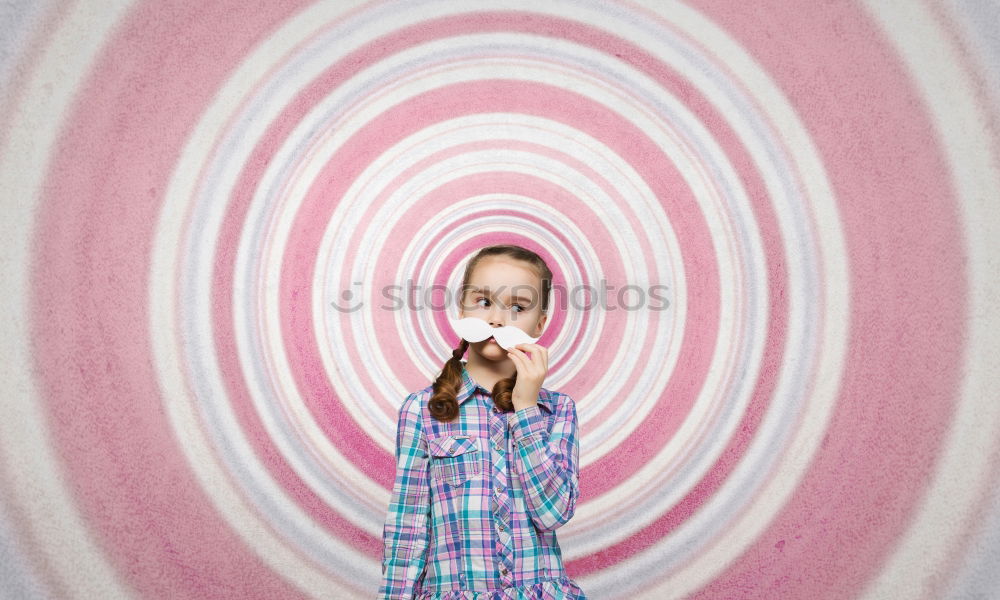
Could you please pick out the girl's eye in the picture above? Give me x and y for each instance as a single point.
(520, 308)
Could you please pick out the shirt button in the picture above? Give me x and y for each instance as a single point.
(500, 527)
(498, 490)
(451, 451)
(503, 570)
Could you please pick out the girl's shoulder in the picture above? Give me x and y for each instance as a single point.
(417, 399)
(556, 401)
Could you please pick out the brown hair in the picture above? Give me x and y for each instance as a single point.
(443, 404)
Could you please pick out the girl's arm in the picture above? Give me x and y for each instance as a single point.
(547, 462)
(405, 535)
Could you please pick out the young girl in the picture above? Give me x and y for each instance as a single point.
(486, 458)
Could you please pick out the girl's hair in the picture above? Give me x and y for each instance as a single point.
(443, 404)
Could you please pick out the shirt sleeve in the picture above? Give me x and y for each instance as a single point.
(547, 462)
(405, 534)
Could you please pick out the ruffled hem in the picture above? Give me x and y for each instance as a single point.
(562, 588)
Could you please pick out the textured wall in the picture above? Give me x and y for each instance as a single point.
(206, 205)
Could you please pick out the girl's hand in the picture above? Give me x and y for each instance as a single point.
(531, 371)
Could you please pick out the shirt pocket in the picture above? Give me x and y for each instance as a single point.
(454, 458)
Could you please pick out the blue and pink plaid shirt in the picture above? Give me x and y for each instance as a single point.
(476, 501)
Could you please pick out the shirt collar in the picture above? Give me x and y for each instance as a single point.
(469, 386)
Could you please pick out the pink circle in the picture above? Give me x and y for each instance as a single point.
(95, 228)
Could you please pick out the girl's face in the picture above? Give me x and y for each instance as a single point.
(503, 291)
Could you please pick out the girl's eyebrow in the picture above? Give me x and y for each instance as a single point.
(486, 290)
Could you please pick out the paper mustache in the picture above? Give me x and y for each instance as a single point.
(473, 329)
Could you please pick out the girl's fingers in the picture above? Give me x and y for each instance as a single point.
(542, 353)
(533, 359)
(521, 361)
(520, 354)
(515, 351)
(533, 365)
(535, 349)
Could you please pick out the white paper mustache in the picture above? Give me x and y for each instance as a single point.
(473, 329)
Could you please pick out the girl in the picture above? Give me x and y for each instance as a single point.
(486, 458)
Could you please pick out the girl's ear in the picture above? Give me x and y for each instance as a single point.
(541, 325)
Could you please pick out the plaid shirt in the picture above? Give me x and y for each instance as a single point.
(476, 501)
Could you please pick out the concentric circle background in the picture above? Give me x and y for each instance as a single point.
(230, 229)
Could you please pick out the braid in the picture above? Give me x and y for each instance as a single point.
(502, 392)
(443, 404)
